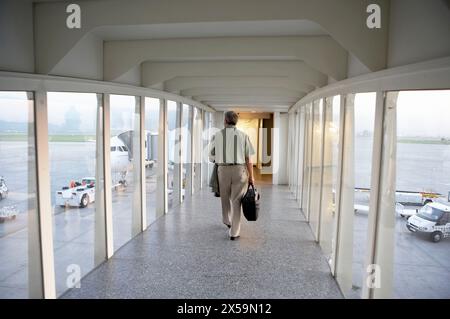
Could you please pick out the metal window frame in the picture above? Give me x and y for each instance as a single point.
(381, 220)
(162, 205)
(44, 254)
(178, 157)
(322, 151)
(142, 179)
(138, 165)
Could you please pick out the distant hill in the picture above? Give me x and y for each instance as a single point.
(15, 127)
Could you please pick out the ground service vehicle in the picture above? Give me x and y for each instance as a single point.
(78, 194)
(432, 219)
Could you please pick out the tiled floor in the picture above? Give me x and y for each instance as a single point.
(187, 254)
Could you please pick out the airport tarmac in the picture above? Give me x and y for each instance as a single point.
(73, 227)
(422, 268)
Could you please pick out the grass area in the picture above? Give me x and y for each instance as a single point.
(424, 141)
(71, 138)
(52, 138)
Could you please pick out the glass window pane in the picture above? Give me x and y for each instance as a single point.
(151, 156)
(364, 119)
(330, 167)
(72, 124)
(423, 171)
(125, 136)
(18, 204)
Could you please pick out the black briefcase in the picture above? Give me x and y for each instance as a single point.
(250, 203)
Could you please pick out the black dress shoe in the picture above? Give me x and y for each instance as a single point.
(234, 238)
(229, 226)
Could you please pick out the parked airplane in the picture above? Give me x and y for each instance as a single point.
(122, 154)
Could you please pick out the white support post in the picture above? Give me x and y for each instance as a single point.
(343, 242)
(301, 157)
(162, 206)
(310, 160)
(202, 163)
(178, 157)
(35, 274)
(297, 154)
(305, 168)
(276, 156)
(107, 175)
(198, 151)
(100, 246)
(44, 253)
(379, 264)
(136, 219)
(291, 164)
(325, 104)
(191, 160)
(143, 154)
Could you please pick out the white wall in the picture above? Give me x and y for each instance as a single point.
(218, 119)
(16, 36)
(85, 60)
(355, 67)
(419, 30)
(279, 148)
(132, 77)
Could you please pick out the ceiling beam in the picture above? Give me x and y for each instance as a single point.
(320, 54)
(345, 21)
(154, 73)
(258, 91)
(180, 84)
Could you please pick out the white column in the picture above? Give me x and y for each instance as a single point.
(190, 168)
(136, 224)
(301, 157)
(381, 224)
(142, 153)
(289, 155)
(44, 241)
(343, 244)
(100, 246)
(202, 164)
(161, 189)
(298, 154)
(305, 168)
(276, 156)
(178, 157)
(35, 272)
(325, 104)
(310, 160)
(107, 175)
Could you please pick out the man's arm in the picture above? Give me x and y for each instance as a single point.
(249, 164)
(248, 152)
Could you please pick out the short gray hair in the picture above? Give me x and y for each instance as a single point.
(231, 117)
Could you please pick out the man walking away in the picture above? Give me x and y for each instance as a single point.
(231, 150)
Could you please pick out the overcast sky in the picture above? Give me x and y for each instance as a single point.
(420, 113)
